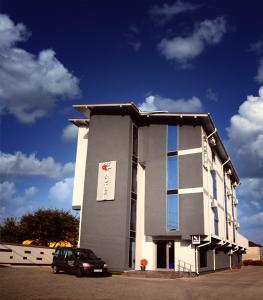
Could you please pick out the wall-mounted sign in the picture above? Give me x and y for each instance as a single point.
(195, 239)
(106, 181)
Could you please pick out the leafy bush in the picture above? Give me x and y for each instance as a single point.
(252, 262)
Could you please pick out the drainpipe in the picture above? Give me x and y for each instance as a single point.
(214, 257)
(211, 133)
(196, 254)
(226, 161)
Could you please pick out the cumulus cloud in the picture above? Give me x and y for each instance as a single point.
(156, 102)
(211, 95)
(13, 203)
(256, 47)
(30, 85)
(61, 190)
(245, 133)
(132, 37)
(251, 188)
(7, 191)
(70, 133)
(166, 12)
(259, 76)
(20, 164)
(252, 220)
(184, 49)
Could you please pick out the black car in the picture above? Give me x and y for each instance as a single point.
(78, 261)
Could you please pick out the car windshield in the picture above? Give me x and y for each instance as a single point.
(86, 254)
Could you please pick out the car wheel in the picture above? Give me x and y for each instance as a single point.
(55, 269)
(79, 272)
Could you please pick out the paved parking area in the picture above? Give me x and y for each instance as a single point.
(40, 283)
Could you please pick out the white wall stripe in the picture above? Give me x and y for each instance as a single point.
(190, 151)
(191, 190)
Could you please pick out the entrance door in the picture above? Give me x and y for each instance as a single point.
(165, 254)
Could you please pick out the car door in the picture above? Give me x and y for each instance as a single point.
(70, 261)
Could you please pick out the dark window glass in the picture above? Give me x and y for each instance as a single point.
(133, 215)
(24, 257)
(132, 253)
(135, 141)
(172, 212)
(216, 220)
(134, 178)
(85, 254)
(27, 251)
(172, 138)
(213, 175)
(225, 198)
(41, 252)
(172, 172)
(39, 258)
(202, 258)
(5, 250)
(11, 257)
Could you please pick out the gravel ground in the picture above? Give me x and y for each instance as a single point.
(40, 283)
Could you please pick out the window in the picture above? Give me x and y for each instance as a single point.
(214, 191)
(216, 221)
(172, 220)
(132, 242)
(202, 258)
(172, 212)
(172, 173)
(225, 198)
(172, 138)
(233, 214)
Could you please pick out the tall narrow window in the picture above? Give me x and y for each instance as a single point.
(214, 190)
(172, 176)
(216, 220)
(233, 214)
(172, 218)
(225, 197)
(172, 212)
(132, 242)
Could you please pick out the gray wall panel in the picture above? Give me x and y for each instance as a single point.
(105, 224)
(189, 137)
(190, 171)
(191, 215)
(155, 181)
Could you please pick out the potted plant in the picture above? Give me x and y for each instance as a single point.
(143, 263)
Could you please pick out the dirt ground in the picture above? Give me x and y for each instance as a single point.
(40, 283)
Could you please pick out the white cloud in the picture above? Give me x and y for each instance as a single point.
(245, 133)
(61, 190)
(19, 164)
(211, 95)
(166, 12)
(256, 47)
(70, 132)
(185, 49)
(30, 85)
(156, 102)
(259, 76)
(7, 191)
(251, 188)
(30, 192)
(252, 220)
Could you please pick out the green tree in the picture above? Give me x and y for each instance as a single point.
(10, 231)
(43, 226)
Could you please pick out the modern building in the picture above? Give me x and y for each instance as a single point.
(155, 185)
(253, 251)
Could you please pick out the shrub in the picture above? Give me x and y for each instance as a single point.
(252, 262)
(144, 262)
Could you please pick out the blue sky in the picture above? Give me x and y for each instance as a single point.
(173, 55)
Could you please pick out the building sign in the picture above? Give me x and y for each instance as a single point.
(195, 239)
(106, 181)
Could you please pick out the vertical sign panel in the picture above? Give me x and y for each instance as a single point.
(106, 181)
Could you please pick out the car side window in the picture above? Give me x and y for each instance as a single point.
(69, 254)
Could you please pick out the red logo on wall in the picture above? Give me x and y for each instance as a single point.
(104, 167)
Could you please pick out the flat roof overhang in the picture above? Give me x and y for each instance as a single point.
(160, 117)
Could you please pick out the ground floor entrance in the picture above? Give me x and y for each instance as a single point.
(165, 254)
